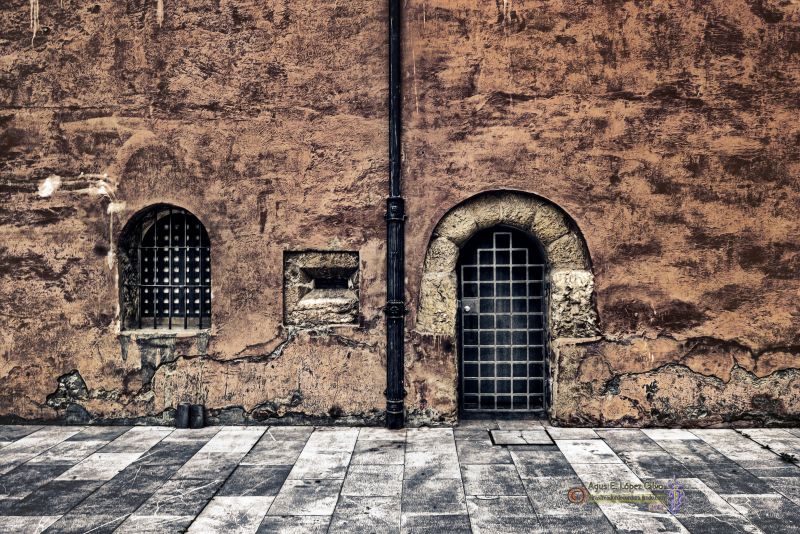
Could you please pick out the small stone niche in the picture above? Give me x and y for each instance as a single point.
(320, 288)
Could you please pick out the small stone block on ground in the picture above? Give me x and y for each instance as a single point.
(520, 437)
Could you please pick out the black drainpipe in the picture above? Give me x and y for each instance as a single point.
(395, 236)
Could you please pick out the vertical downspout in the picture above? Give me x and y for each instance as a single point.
(395, 236)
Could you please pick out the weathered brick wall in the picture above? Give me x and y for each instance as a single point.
(669, 132)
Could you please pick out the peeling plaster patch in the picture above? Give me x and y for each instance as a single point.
(49, 186)
(71, 388)
(572, 311)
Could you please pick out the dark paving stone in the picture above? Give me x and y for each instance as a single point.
(435, 496)
(55, 498)
(654, 464)
(154, 524)
(541, 463)
(24, 479)
(594, 522)
(716, 524)
(471, 434)
(170, 453)
(482, 452)
(503, 514)
(80, 524)
(435, 524)
(124, 493)
(549, 495)
(286, 433)
(180, 497)
(627, 439)
(295, 524)
(728, 477)
(492, 479)
(255, 481)
(15, 432)
(104, 433)
(694, 453)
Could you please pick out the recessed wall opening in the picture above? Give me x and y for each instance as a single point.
(321, 288)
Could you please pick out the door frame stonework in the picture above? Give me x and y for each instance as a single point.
(571, 313)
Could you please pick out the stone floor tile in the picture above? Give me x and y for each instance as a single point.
(434, 496)
(587, 451)
(541, 463)
(24, 479)
(81, 524)
(364, 524)
(100, 466)
(209, 465)
(56, 497)
(307, 497)
(255, 481)
(789, 487)
(556, 432)
(510, 515)
(787, 470)
(432, 465)
(719, 524)
(428, 434)
(315, 464)
(365, 515)
(333, 440)
(26, 524)
(610, 479)
(297, 524)
(550, 496)
(793, 431)
(124, 493)
(355, 505)
(192, 434)
(234, 440)
(170, 453)
(180, 498)
(425, 523)
(627, 439)
(99, 433)
(492, 479)
(240, 515)
(486, 424)
(15, 432)
(520, 424)
(68, 452)
(287, 433)
(729, 477)
(480, 434)
(142, 524)
(4, 443)
(274, 453)
(770, 512)
(669, 434)
(137, 439)
(30, 446)
(381, 434)
(740, 449)
(521, 437)
(379, 452)
(630, 518)
(373, 480)
(482, 452)
(654, 464)
(694, 454)
(596, 523)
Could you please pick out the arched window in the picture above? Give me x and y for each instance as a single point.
(165, 270)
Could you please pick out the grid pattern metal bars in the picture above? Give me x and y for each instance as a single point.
(174, 287)
(503, 334)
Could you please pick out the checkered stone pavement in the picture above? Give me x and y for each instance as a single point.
(482, 476)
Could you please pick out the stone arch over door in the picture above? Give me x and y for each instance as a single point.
(571, 312)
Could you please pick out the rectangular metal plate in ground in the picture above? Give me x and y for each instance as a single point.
(520, 437)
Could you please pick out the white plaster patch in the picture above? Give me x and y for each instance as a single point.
(49, 186)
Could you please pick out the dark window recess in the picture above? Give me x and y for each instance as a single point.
(331, 283)
(165, 260)
(320, 287)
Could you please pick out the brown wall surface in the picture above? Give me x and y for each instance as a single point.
(668, 131)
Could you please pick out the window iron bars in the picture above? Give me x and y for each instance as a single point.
(174, 271)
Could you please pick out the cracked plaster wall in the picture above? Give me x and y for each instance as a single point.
(667, 131)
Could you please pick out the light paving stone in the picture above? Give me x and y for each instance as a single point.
(99, 433)
(68, 452)
(610, 479)
(373, 481)
(14, 432)
(492, 479)
(541, 463)
(209, 465)
(181, 435)
(521, 437)
(510, 515)
(100, 466)
(30, 446)
(629, 518)
(769, 512)
(332, 440)
(571, 433)
(740, 449)
(425, 434)
(141, 524)
(778, 440)
(627, 439)
(379, 452)
(668, 434)
(287, 433)
(424, 523)
(587, 451)
(793, 431)
(434, 465)
(23, 480)
(519, 424)
(691, 497)
(234, 440)
(274, 453)
(25, 524)
(366, 514)
(482, 452)
(315, 464)
(255, 480)
(240, 515)
(550, 496)
(433, 496)
(789, 487)
(381, 434)
(595, 522)
(80, 524)
(4, 443)
(306, 497)
(137, 439)
(294, 524)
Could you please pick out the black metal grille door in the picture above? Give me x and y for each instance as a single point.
(502, 323)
